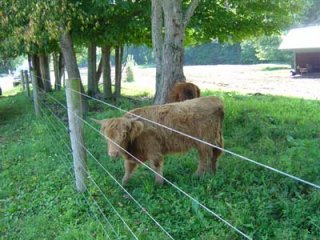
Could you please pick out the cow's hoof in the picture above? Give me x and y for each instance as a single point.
(159, 181)
(124, 181)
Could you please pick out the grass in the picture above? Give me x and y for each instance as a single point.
(38, 198)
(276, 68)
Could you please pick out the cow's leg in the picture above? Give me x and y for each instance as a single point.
(216, 153)
(129, 167)
(203, 154)
(157, 166)
(213, 164)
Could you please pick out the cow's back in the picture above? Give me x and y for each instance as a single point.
(201, 118)
(185, 112)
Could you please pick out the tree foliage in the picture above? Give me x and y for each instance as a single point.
(33, 27)
(237, 20)
(36, 26)
(310, 14)
(213, 53)
(179, 22)
(267, 50)
(114, 24)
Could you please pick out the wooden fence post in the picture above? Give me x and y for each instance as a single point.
(26, 78)
(35, 93)
(22, 79)
(76, 132)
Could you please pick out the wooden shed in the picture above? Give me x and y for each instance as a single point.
(305, 44)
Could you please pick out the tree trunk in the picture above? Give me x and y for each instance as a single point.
(57, 73)
(35, 93)
(92, 55)
(70, 61)
(106, 72)
(69, 56)
(26, 78)
(36, 68)
(61, 71)
(175, 22)
(45, 71)
(22, 80)
(118, 71)
(30, 64)
(157, 42)
(99, 73)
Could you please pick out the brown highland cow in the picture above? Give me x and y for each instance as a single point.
(182, 91)
(201, 118)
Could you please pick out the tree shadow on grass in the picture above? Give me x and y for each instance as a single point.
(11, 107)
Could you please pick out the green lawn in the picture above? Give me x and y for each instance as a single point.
(38, 198)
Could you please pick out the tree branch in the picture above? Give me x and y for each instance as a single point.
(189, 12)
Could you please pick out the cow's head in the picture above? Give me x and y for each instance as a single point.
(120, 132)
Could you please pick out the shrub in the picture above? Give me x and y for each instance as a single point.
(129, 69)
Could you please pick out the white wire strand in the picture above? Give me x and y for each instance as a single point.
(99, 190)
(111, 205)
(206, 143)
(119, 184)
(68, 147)
(196, 139)
(172, 184)
(70, 150)
(89, 205)
(67, 167)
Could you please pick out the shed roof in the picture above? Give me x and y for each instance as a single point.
(302, 39)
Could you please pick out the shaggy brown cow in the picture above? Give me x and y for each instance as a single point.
(182, 91)
(201, 118)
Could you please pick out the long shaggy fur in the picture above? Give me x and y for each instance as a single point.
(201, 118)
(182, 91)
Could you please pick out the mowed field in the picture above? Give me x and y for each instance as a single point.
(273, 79)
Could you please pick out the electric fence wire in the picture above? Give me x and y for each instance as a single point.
(199, 140)
(206, 143)
(169, 182)
(69, 149)
(116, 181)
(65, 162)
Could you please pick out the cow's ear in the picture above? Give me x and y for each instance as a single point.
(136, 129)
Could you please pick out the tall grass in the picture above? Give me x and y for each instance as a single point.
(38, 200)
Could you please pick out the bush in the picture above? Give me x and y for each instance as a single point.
(212, 53)
(141, 54)
(248, 54)
(129, 69)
